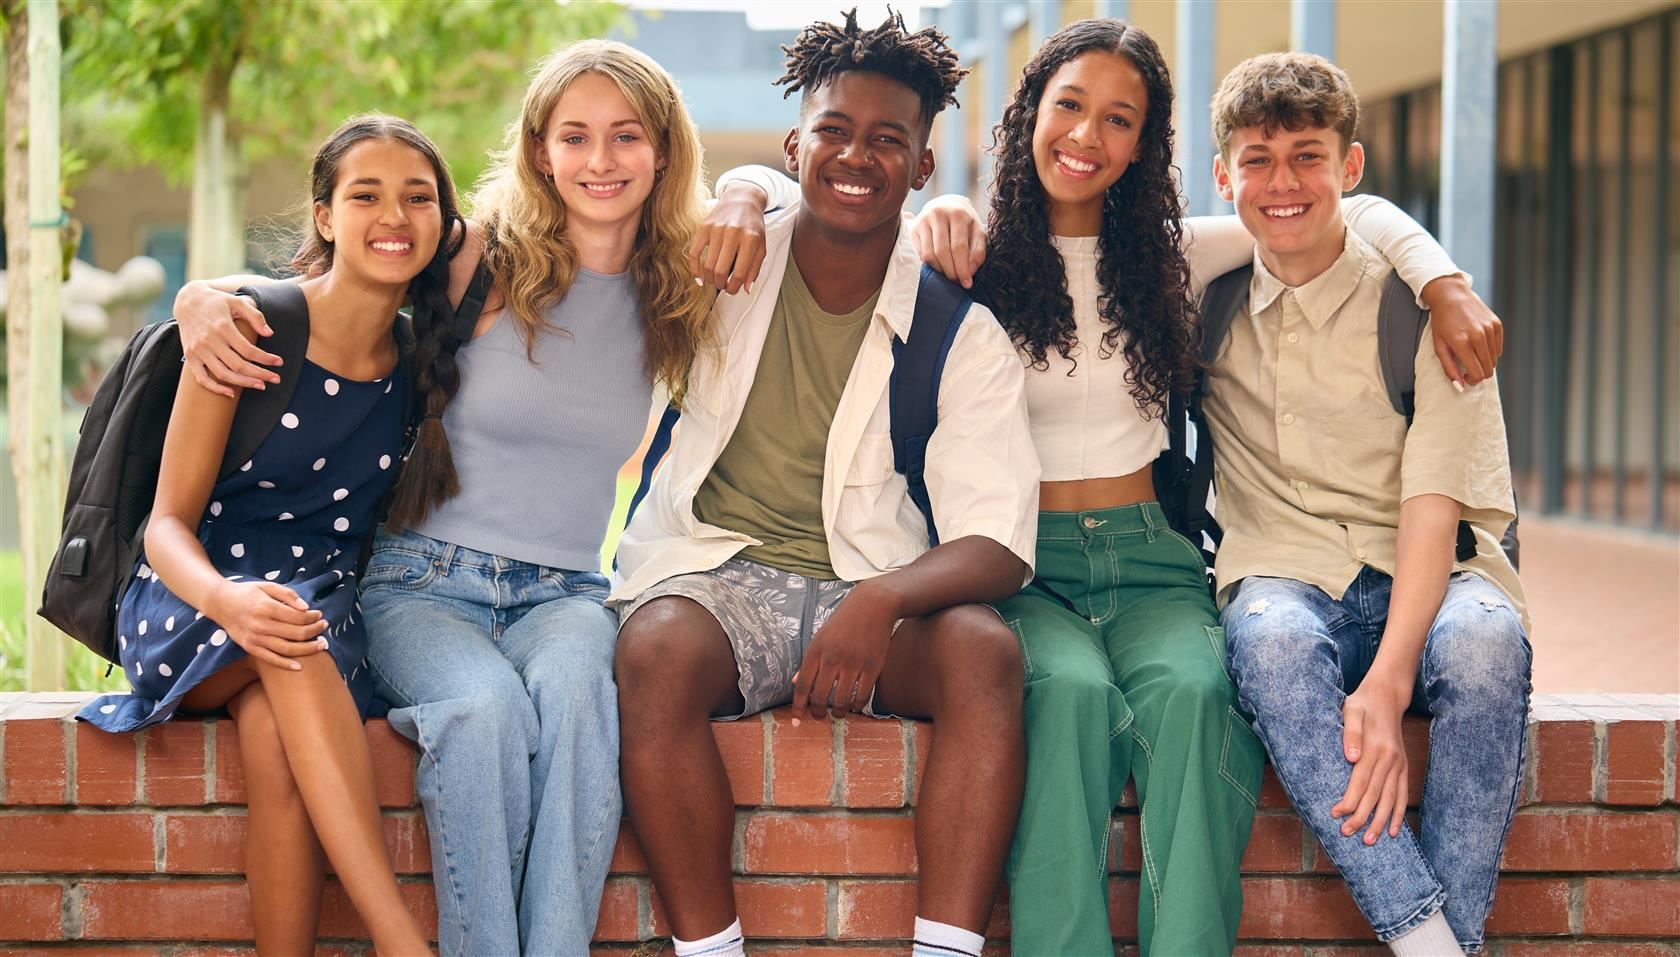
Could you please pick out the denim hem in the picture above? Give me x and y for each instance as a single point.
(1435, 903)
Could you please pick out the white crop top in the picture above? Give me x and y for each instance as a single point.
(1087, 425)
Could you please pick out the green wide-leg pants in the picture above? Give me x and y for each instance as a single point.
(1126, 677)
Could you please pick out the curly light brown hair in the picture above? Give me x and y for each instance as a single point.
(1285, 91)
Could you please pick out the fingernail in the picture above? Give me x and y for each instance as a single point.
(1458, 386)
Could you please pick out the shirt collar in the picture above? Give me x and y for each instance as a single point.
(1321, 296)
(896, 306)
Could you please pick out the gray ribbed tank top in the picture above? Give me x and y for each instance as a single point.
(538, 442)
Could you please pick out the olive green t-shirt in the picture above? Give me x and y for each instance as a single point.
(768, 482)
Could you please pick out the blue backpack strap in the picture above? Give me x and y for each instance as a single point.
(913, 392)
(656, 452)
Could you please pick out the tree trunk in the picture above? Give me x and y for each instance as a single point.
(216, 235)
(42, 445)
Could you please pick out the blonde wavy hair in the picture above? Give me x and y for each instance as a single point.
(525, 221)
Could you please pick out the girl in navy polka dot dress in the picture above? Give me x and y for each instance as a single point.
(245, 596)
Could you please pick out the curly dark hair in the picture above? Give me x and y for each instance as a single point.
(1141, 269)
(922, 61)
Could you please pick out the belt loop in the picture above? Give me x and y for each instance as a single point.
(446, 559)
(1149, 522)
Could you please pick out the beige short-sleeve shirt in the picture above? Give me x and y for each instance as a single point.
(1312, 461)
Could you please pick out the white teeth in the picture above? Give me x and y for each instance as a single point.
(1282, 212)
(1078, 166)
(602, 187)
(393, 247)
(851, 190)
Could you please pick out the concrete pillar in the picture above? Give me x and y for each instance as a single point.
(1193, 71)
(951, 149)
(994, 74)
(1043, 19)
(1469, 87)
(1312, 27)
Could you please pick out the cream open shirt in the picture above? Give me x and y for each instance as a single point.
(1312, 462)
(982, 473)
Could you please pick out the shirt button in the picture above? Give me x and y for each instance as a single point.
(1292, 337)
(1090, 522)
(1359, 553)
(1288, 419)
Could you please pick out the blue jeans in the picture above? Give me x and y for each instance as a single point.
(501, 671)
(1295, 654)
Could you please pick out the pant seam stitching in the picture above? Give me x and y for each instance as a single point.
(1152, 878)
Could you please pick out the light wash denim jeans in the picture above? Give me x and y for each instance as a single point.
(501, 671)
(1295, 654)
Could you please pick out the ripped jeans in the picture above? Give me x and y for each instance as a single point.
(1295, 654)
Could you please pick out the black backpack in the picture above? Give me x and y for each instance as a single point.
(113, 476)
(1184, 473)
(912, 392)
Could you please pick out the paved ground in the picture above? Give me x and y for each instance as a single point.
(1606, 607)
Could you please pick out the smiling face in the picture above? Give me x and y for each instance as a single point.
(1288, 188)
(860, 148)
(383, 222)
(598, 155)
(1086, 135)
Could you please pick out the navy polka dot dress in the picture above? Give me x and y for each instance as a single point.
(294, 514)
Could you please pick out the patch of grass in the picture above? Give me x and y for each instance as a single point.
(84, 670)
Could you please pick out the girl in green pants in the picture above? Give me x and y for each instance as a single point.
(1091, 269)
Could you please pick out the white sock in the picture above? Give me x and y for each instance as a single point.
(934, 939)
(1432, 938)
(724, 943)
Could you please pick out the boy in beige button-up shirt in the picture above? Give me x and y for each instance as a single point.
(1343, 602)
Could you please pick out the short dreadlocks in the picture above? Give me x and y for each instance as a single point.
(922, 61)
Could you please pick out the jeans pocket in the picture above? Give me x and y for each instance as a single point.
(398, 568)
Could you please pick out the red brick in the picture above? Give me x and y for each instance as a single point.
(1270, 950)
(1123, 909)
(30, 911)
(741, 745)
(1523, 905)
(230, 767)
(339, 917)
(620, 910)
(1563, 762)
(35, 762)
(1300, 908)
(1633, 908)
(1272, 794)
(215, 843)
(802, 762)
(876, 910)
(105, 766)
(133, 950)
(809, 950)
(1570, 948)
(1274, 844)
(874, 763)
(77, 842)
(1592, 841)
(174, 762)
(769, 908)
(1128, 796)
(393, 765)
(627, 853)
(165, 910)
(1635, 762)
(829, 844)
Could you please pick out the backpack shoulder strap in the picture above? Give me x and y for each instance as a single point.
(1400, 325)
(1220, 302)
(472, 302)
(287, 312)
(913, 392)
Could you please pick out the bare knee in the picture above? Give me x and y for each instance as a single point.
(978, 661)
(672, 657)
